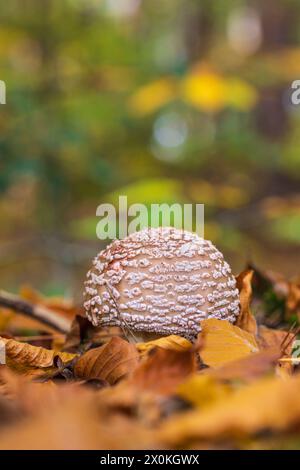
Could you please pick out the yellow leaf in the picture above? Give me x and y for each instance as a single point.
(224, 342)
(246, 320)
(152, 96)
(202, 390)
(267, 404)
(20, 356)
(172, 342)
(248, 368)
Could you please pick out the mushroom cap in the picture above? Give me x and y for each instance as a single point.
(160, 281)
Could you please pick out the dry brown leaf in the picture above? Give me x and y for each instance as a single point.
(122, 397)
(24, 356)
(164, 370)
(11, 383)
(247, 368)
(280, 339)
(111, 362)
(268, 404)
(224, 342)
(69, 427)
(246, 320)
(33, 397)
(233, 400)
(75, 421)
(128, 399)
(172, 342)
(269, 337)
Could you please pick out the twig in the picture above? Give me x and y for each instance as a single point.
(286, 342)
(39, 337)
(38, 312)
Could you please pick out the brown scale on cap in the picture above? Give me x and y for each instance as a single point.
(159, 282)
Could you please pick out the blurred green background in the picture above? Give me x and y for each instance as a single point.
(163, 100)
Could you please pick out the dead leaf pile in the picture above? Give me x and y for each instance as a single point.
(237, 386)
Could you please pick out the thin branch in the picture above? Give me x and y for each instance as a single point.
(289, 337)
(38, 312)
(32, 338)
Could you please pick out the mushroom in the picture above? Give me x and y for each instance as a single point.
(158, 282)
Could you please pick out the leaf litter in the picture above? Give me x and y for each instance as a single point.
(236, 386)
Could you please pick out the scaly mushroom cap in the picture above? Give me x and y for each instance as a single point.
(160, 281)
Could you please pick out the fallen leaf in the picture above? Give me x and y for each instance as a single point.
(29, 396)
(224, 342)
(269, 404)
(207, 387)
(246, 320)
(24, 356)
(172, 342)
(75, 422)
(111, 362)
(61, 429)
(128, 399)
(247, 368)
(122, 397)
(164, 370)
(269, 337)
(201, 390)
